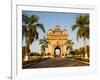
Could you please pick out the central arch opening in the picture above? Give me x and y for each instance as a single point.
(57, 52)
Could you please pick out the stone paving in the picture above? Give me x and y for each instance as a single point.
(56, 62)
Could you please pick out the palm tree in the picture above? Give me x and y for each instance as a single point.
(69, 44)
(29, 30)
(82, 50)
(82, 24)
(44, 44)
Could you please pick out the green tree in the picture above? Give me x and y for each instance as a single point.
(29, 29)
(69, 44)
(77, 52)
(82, 26)
(82, 50)
(88, 50)
(44, 44)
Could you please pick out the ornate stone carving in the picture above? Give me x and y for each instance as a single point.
(57, 38)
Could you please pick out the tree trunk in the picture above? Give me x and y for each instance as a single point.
(85, 48)
(26, 58)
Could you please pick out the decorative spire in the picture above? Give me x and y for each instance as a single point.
(64, 30)
(50, 29)
(57, 27)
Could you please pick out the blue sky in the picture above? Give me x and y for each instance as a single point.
(50, 20)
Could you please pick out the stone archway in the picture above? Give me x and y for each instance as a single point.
(57, 52)
(57, 39)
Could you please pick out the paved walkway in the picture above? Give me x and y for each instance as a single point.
(56, 62)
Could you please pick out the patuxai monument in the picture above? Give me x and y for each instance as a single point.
(57, 38)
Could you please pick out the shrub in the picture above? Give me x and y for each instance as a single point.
(48, 54)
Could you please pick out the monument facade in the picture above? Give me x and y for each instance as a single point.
(57, 39)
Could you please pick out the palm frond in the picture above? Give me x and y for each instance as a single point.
(74, 27)
(25, 19)
(41, 26)
(33, 19)
(82, 21)
(79, 34)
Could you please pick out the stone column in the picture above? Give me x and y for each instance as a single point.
(53, 51)
(64, 50)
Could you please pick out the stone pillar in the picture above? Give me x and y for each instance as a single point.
(64, 49)
(52, 51)
(62, 52)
